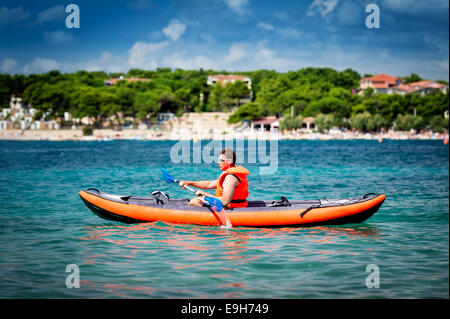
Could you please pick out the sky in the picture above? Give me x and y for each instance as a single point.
(231, 35)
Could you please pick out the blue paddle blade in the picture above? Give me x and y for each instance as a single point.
(214, 203)
(167, 177)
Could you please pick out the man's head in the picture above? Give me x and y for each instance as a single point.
(227, 158)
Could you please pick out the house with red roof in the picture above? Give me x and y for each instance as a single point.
(384, 83)
(426, 87)
(380, 83)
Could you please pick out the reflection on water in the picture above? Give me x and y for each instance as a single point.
(208, 252)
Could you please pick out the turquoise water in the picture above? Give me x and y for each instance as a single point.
(44, 225)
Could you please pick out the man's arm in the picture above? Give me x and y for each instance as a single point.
(229, 185)
(200, 184)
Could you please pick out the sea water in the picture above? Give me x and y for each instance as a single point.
(45, 227)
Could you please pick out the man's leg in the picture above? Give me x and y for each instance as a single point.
(196, 201)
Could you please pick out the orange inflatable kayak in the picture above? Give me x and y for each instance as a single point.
(134, 209)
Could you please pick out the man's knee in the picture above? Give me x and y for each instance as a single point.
(196, 202)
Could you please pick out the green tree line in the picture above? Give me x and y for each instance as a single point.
(323, 93)
(329, 96)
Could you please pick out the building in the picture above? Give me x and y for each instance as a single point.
(44, 125)
(225, 79)
(113, 81)
(269, 123)
(20, 116)
(384, 83)
(426, 87)
(308, 124)
(381, 83)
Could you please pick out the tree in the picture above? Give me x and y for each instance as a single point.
(439, 124)
(236, 91)
(290, 123)
(328, 104)
(146, 104)
(407, 122)
(5, 90)
(88, 103)
(248, 111)
(377, 122)
(182, 97)
(368, 92)
(110, 105)
(361, 121)
(347, 79)
(412, 78)
(324, 122)
(125, 97)
(52, 99)
(216, 99)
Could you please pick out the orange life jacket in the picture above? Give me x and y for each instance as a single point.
(241, 191)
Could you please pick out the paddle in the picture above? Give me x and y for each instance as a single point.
(213, 202)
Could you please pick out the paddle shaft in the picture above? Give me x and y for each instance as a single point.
(187, 187)
(213, 202)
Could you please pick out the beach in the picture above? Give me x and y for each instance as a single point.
(187, 134)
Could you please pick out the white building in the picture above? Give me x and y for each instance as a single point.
(225, 79)
(20, 116)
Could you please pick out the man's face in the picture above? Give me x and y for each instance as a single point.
(223, 161)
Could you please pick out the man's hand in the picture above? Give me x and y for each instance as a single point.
(183, 184)
(201, 193)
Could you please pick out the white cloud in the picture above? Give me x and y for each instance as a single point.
(237, 52)
(176, 60)
(322, 7)
(174, 30)
(57, 37)
(41, 65)
(350, 13)
(266, 26)
(8, 65)
(280, 15)
(9, 16)
(417, 7)
(290, 33)
(53, 13)
(237, 6)
(106, 62)
(144, 54)
(266, 58)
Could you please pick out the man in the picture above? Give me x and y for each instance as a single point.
(231, 186)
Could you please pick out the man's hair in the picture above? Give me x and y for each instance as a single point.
(229, 154)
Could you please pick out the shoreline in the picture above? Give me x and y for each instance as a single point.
(151, 135)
